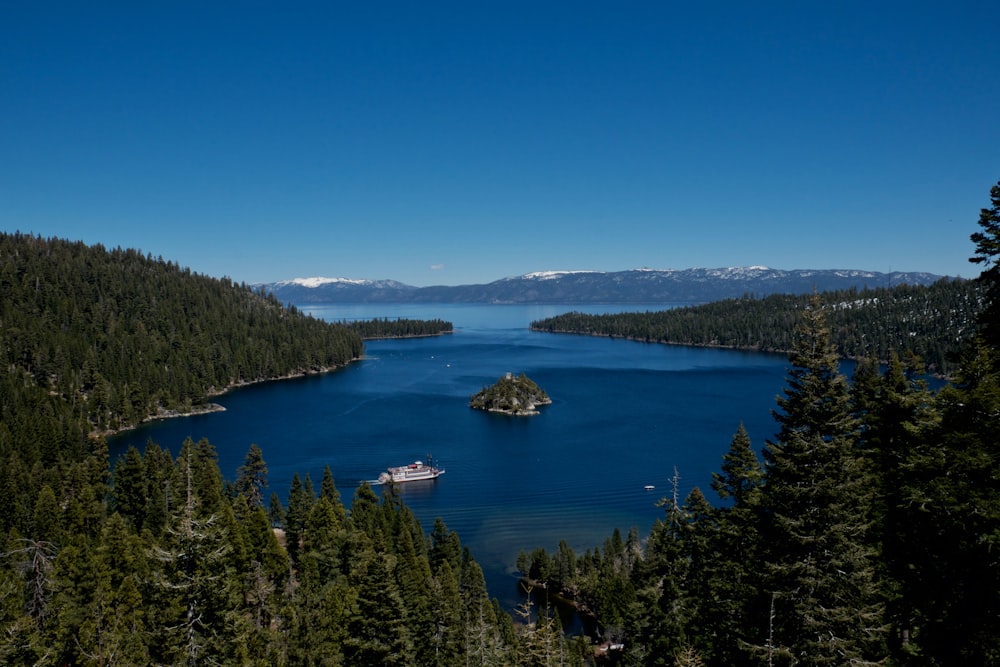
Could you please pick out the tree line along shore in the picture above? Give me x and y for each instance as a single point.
(926, 324)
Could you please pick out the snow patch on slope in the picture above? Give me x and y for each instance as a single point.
(319, 281)
(549, 275)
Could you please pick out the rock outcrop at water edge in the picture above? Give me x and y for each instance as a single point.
(513, 395)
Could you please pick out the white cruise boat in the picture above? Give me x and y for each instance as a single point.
(415, 472)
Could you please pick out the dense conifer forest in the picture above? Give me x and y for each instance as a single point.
(113, 336)
(865, 531)
(930, 322)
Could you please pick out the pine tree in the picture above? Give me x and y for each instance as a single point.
(25, 590)
(328, 490)
(251, 477)
(896, 410)
(950, 515)
(481, 638)
(987, 242)
(299, 505)
(118, 630)
(206, 476)
(323, 538)
(412, 577)
(446, 615)
(46, 521)
(700, 538)
(817, 508)
(542, 643)
(737, 544)
(163, 488)
(275, 511)
(77, 585)
(445, 546)
(130, 488)
(193, 576)
(28, 637)
(657, 627)
(367, 515)
(265, 549)
(377, 629)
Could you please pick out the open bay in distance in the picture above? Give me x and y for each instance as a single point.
(624, 415)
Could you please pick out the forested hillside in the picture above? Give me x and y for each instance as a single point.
(113, 336)
(931, 322)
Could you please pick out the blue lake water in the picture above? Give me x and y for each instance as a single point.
(624, 415)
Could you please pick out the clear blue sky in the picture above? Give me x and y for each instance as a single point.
(461, 142)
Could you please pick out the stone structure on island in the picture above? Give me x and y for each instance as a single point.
(512, 395)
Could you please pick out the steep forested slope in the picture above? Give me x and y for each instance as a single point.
(117, 336)
(931, 322)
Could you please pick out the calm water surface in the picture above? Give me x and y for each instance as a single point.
(624, 415)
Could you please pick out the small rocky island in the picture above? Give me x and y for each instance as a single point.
(512, 395)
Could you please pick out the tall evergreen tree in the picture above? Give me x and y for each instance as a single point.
(275, 511)
(478, 620)
(46, 522)
(328, 490)
(367, 515)
(445, 546)
(949, 509)
(817, 509)
(657, 623)
(987, 242)
(735, 615)
(446, 613)
(194, 573)
(299, 505)
(700, 536)
(251, 478)
(163, 488)
(896, 411)
(378, 634)
(129, 493)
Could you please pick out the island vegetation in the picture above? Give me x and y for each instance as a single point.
(931, 322)
(864, 532)
(511, 394)
(398, 327)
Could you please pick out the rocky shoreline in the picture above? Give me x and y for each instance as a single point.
(206, 408)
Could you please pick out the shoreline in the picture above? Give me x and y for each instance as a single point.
(709, 346)
(208, 408)
(406, 336)
(516, 413)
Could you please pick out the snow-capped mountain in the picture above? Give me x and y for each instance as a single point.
(653, 286)
(338, 290)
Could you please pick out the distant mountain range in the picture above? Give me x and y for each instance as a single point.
(582, 287)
